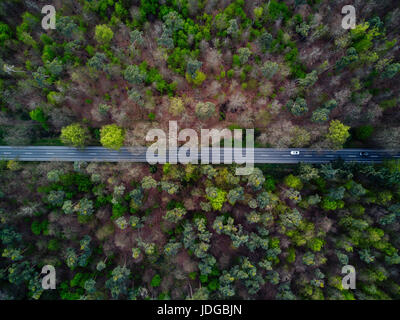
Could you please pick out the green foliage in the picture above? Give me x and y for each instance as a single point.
(39, 227)
(134, 74)
(277, 10)
(297, 107)
(293, 182)
(243, 55)
(217, 197)
(112, 136)
(156, 281)
(234, 235)
(53, 245)
(75, 135)
(316, 244)
(331, 205)
(97, 62)
(309, 80)
(265, 41)
(5, 33)
(391, 71)
(38, 115)
(338, 133)
(351, 57)
(269, 69)
(364, 132)
(320, 115)
(198, 79)
(103, 34)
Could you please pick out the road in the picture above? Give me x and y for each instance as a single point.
(261, 155)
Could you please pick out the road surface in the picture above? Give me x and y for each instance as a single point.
(261, 155)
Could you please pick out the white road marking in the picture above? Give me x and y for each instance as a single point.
(28, 153)
(6, 152)
(352, 156)
(49, 153)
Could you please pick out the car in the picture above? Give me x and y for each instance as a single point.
(364, 154)
(294, 153)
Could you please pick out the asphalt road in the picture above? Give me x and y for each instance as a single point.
(261, 155)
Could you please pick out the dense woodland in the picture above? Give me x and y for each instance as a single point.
(199, 232)
(112, 70)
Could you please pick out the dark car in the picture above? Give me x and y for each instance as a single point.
(364, 154)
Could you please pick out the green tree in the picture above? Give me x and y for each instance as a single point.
(217, 197)
(297, 107)
(320, 115)
(291, 218)
(244, 55)
(293, 182)
(192, 67)
(5, 33)
(175, 215)
(112, 136)
(309, 80)
(265, 41)
(233, 28)
(338, 133)
(148, 182)
(134, 74)
(364, 132)
(269, 69)
(97, 62)
(136, 38)
(391, 70)
(103, 34)
(118, 283)
(75, 135)
(155, 281)
(38, 115)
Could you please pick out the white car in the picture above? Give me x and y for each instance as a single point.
(294, 153)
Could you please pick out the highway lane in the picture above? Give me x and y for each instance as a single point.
(261, 155)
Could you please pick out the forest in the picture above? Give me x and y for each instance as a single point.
(111, 70)
(134, 231)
